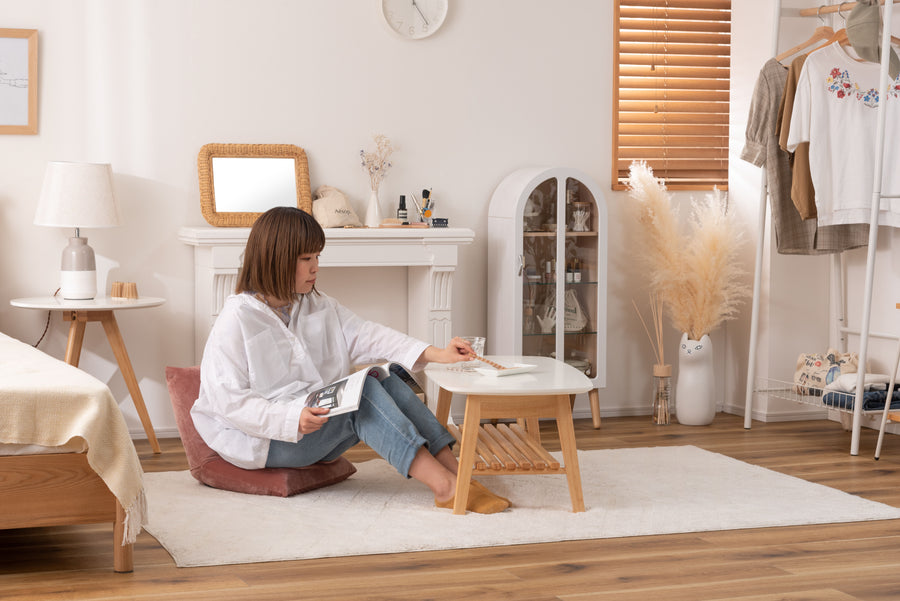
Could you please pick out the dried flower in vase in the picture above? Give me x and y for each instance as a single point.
(376, 162)
(696, 275)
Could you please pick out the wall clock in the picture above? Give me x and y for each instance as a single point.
(414, 19)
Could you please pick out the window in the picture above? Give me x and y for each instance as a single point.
(670, 91)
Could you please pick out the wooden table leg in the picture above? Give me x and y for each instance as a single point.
(467, 455)
(76, 338)
(594, 396)
(442, 412)
(108, 319)
(570, 451)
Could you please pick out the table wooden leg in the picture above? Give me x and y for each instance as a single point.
(467, 455)
(570, 451)
(443, 406)
(533, 427)
(76, 338)
(594, 396)
(108, 319)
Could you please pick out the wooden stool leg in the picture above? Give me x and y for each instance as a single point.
(467, 455)
(570, 451)
(118, 346)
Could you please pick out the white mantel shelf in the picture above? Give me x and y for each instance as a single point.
(430, 254)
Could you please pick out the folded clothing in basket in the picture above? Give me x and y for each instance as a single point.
(873, 400)
(847, 382)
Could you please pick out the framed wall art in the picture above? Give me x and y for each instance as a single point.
(18, 81)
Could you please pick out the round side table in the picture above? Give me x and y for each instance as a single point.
(101, 309)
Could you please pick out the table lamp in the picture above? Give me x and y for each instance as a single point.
(77, 195)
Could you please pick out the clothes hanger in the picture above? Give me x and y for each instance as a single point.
(822, 32)
(839, 36)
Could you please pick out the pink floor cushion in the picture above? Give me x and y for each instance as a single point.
(209, 468)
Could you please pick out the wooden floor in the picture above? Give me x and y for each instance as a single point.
(815, 563)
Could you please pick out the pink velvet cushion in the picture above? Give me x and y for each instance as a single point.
(207, 467)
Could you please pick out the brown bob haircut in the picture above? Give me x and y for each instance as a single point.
(277, 238)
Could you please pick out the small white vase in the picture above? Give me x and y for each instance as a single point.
(695, 402)
(373, 210)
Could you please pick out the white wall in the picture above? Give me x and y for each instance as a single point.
(143, 85)
(506, 83)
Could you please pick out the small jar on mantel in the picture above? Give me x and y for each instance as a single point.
(662, 403)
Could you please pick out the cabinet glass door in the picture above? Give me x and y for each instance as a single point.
(539, 229)
(581, 239)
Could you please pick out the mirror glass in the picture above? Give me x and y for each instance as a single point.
(254, 185)
(238, 182)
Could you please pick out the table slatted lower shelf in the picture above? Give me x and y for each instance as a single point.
(508, 449)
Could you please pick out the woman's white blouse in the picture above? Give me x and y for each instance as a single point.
(256, 372)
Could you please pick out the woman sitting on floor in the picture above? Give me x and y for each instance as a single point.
(278, 338)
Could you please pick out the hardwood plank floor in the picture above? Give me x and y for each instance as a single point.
(837, 562)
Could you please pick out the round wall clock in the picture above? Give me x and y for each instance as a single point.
(414, 19)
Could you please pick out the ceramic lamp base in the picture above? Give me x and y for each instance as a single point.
(78, 285)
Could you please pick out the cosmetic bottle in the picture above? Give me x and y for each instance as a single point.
(402, 215)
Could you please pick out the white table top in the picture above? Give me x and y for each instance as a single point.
(550, 377)
(100, 303)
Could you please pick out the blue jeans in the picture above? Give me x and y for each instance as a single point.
(391, 419)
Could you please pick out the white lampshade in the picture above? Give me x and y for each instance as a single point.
(77, 195)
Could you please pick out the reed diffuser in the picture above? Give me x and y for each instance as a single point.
(661, 402)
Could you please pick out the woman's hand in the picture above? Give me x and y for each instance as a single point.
(456, 350)
(312, 419)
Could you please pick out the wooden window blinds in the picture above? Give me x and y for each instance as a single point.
(670, 91)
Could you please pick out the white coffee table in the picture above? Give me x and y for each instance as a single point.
(527, 397)
(101, 309)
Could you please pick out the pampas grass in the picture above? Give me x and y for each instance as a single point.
(695, 275)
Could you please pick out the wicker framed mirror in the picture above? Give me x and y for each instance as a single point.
(238, 182)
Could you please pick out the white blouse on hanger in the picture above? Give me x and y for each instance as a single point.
(834, 110)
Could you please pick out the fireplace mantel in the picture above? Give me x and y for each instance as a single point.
(430, 256)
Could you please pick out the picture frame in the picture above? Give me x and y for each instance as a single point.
(18, 81)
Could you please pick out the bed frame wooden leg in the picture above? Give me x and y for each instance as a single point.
(123, 555)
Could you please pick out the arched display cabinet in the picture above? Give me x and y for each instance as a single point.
(547, 248)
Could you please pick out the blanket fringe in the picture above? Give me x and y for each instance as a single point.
(135, 518)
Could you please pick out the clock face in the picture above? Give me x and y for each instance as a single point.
(414, 19)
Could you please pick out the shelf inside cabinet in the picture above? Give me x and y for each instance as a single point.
(553, 234)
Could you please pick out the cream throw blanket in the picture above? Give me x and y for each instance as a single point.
(47, 402)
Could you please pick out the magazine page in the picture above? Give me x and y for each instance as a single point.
(386, 370)
(341, 396)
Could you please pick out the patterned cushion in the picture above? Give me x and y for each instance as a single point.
(209, 468)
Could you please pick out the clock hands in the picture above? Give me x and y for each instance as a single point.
(418, 10)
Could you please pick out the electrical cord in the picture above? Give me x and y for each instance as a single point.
(46, 325)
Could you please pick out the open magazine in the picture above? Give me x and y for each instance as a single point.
(343, 396)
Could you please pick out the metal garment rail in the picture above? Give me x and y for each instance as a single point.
(873, 233)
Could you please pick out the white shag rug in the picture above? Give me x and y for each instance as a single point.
(627, 492)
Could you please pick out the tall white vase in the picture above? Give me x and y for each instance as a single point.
(695, 402)
(373, 210)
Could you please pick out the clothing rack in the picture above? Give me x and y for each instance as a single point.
(831, 8)
(878, 168)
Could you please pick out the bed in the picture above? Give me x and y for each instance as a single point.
(65, 453)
